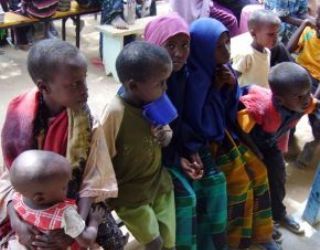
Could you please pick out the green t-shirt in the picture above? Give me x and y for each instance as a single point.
(136, 157)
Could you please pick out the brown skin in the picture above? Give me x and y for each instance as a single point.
(178, 47)
(140, 94)
(315, 24)
(264, 36)
(66, 89)
(296, 98)
(42, 178)
(224, 77)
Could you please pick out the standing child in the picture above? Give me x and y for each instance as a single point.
(253, 62)
(200, 189)
(271, 115)
(55, 117)
(40, 180)
(145, 202)
(211, 108)
(306, 41)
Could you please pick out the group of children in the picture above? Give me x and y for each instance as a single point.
(214, 179)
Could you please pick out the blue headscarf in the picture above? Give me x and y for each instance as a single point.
(207, 109)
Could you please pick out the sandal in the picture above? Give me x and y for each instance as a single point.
(277, 235)
(289, 223)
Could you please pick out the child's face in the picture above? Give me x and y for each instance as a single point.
(154, 87)
(222, 53)
(266, 35)
(178, 47)
(297, 99)
(56, 191)
(68, 87)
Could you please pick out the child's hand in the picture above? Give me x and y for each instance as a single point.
(97, 214)
(224, 76)
(193, 167)
(162, 134)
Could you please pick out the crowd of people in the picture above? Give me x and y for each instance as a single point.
(211, 178)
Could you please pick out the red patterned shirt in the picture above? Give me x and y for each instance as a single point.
(61, 215)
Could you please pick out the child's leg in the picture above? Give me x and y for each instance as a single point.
(211, 193)
(155, 244)
(274, 161)
(186, 219)
(164, 209)
(142, 223)
(262, 225)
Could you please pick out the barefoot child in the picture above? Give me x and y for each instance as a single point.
(200, 189)
(145, 202)
(55, 117)
(40, 180)
(271, 115)
(252, 63)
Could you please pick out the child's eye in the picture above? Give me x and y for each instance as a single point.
(171, 46)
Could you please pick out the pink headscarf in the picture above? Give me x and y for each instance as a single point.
(162, 28)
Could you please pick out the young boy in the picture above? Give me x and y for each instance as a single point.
(54, 116)
(40, 180)
(145, 202)
(306, 42)
(253, 62)
(291, 12)
(269, 116)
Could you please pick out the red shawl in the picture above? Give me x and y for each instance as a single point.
(17, 133)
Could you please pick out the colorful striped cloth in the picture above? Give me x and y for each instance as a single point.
(201, 208)
(249, 206)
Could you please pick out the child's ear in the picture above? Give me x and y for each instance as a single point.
(38, 197)
(132, 85)
(42, 86)
(252, 32)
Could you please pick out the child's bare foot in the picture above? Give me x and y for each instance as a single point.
(119, 23)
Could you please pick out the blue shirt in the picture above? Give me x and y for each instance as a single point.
(284, 8)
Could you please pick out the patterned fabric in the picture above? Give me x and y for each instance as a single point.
(249, 208)
(236, 6)
(95, 179)
(46, 219)
(38, 8)
(201, 208)
(309, 52)
(294, 8)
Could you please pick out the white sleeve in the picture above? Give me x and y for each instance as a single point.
(72, 222)
(241, 63)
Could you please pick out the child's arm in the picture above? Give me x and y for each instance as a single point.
(88, 236)
(294, 40)
(241, 64)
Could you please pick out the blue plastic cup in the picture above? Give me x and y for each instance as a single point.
(160, 112)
